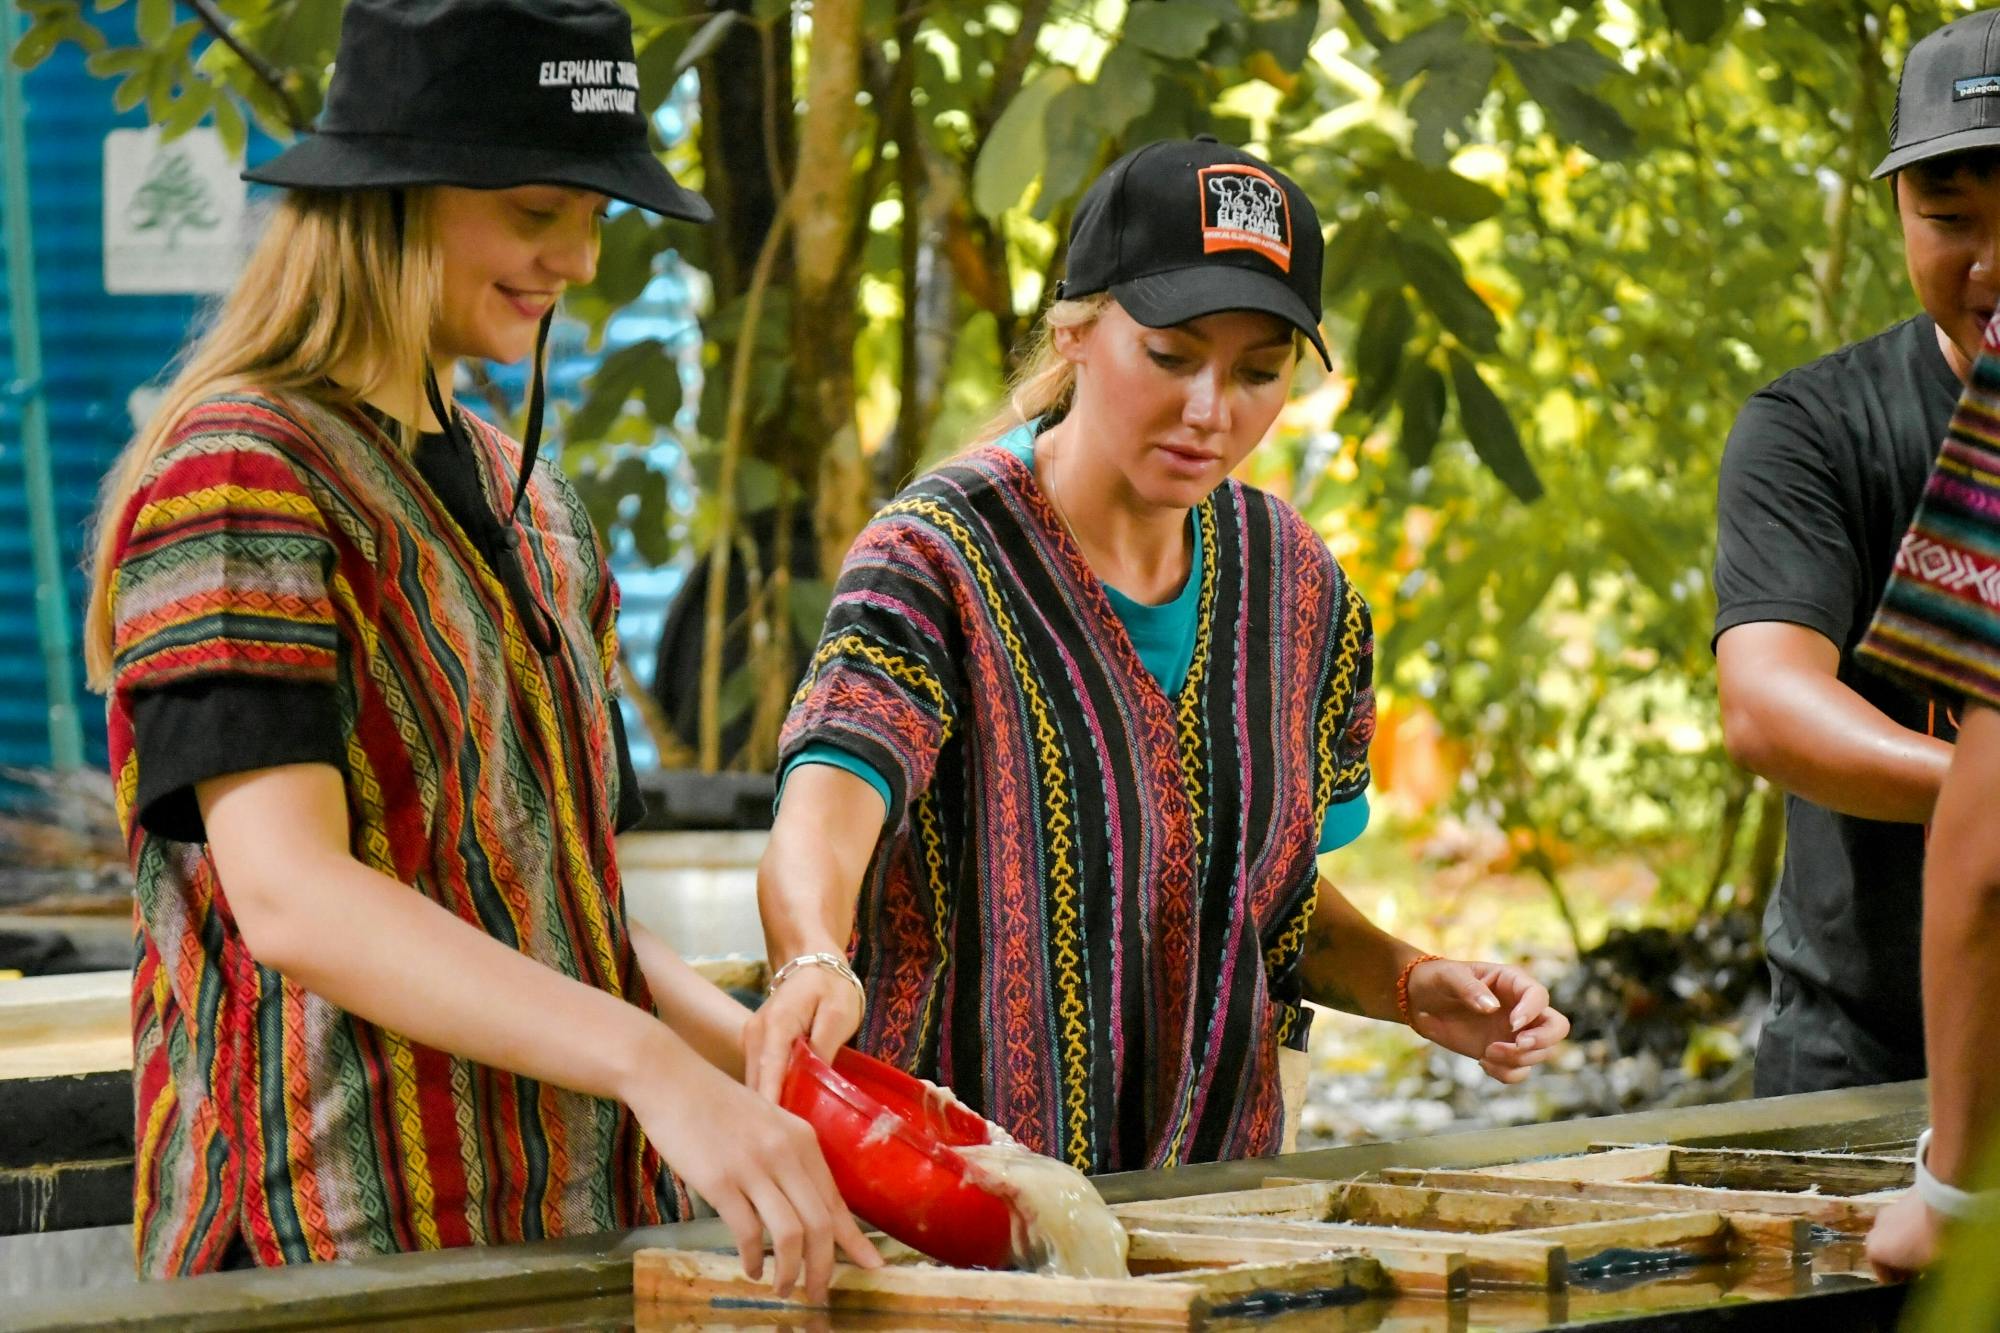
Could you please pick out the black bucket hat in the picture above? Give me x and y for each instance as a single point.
(1188, 227)
(487, 94)
(484, 94)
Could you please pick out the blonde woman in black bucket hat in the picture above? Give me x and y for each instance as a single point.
(360, 656)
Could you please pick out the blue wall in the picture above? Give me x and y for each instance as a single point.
(96, 349)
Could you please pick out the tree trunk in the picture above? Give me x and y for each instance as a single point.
(824, 203)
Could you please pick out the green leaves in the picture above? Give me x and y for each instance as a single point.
(676, 49)
(1420, 397)
(155, 20)
(1175, 29)
(1491, 431)
(620, 489)
(1441, 192)
(1457, 67)
(645, 367)
(1286, 33)
(1123, 90)
(1560, 77)
(1425, 49)
(1378, 348)
(627, 247)
(1355, 247)
(1015, 151)
(1432, 268)
(53, 22)
(1697, 20)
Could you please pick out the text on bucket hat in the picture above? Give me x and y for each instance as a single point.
(484, 94)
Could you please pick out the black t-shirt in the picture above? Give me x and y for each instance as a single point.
(196, 730)
(1821, 476)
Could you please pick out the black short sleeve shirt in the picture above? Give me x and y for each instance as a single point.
(1820, 478)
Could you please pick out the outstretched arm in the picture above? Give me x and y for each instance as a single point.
(1494, 1013)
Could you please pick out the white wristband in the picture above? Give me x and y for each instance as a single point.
(1947, 1200)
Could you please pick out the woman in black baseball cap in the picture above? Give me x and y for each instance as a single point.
(361, 661)
(1086, 711)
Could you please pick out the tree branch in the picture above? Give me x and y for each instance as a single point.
(212, 19)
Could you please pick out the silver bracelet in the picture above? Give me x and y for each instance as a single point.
(1947, 1200)
(832, 962)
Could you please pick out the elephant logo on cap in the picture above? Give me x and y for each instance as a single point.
(1242, 208)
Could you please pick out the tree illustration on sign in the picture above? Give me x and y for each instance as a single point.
(172, 197)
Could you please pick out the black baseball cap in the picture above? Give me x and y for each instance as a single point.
(1948, 100)
(1187, 227)
(485, 94)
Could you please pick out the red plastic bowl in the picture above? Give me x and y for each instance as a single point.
(904, 1177)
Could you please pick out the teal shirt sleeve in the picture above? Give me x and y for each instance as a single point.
(1344, 823)
(820, 752)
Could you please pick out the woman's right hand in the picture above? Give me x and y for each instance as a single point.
(759, 1167)
(813, 1002)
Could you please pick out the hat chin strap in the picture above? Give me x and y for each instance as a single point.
(503, 542)
(531, 445)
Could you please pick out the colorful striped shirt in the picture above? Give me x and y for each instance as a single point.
(1939, 621)
(1087, 912)
(281, 539)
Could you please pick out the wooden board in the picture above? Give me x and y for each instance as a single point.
(1412, 1257)
(1370, 1214)
(75, 1023)
(1847, 1215)
(1184, 1278)
(1727, 1168)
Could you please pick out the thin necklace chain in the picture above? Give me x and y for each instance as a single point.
(1049, 489)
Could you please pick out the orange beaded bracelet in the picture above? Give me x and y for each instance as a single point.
(1403, 983)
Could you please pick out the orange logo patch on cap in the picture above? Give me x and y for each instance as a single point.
(1242, 208)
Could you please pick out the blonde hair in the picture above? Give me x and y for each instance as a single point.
(1045, 384)
(338, 281)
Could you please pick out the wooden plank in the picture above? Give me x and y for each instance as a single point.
(1228, 1268)
(1696, 1233)
(1765, 1233)
(1828, 1173)
(694, 1278)
(1489, 1260)
(77, 1023)
(1312, 1201)
(1415, 1262)
(1644, 1163)
(1160, 1250)
(1726, 1168)
(1844, 1215)
(1470, 1210)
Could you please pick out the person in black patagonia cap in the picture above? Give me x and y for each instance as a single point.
(1085, 712)
(360, 654)
(1820, 477)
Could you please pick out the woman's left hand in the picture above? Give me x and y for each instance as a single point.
(1494, 1013)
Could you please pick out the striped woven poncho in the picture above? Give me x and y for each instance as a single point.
(288, 541)
(1939, 622)
(1086, 912)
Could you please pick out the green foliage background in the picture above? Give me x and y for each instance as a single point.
(1566, 240)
